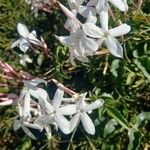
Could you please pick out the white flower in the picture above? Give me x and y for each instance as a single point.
(25, 59)
(26, 38)
(54, 113)
(102, 5)
(106, 35)
(79, 44)
(82, 109)
(24, 123)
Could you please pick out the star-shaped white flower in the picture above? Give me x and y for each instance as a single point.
(109, 35)
(80, 44)
(54, 112)
(24, 123)
(82, 109)
(26, 38)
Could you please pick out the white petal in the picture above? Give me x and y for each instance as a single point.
(72, 25)
(92, 2)
(22, 29)
(68, 99)
(33, 126)
(34, 40)
(34, 82)
(91, 18)
(74, 122)
(119, 4)
(42, 96)
(120, 30)
(114, 47)
(94, 105)
(74, 4)
(87, 124)
(126, 5)
(15, 43)
(63, 123)
(68, 109)
(92, 30)
(26, 105)
(102, 5)
(84, 11)
(34, 33)
(17, 125)
(24, 45)
(89, 44)
(58, 97)
(67, 40)
(104, 20)
(28, 132)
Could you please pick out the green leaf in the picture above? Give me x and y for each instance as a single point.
(134, 139)
(118, 117)
(114, 67)
(109, 127)
(130, 78)
(142, 117)
(139, 65)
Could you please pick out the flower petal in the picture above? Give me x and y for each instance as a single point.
(15, 43)
(17, 125)
(94, 105)
(22, 29)
(33, 126)
(67, 40)
(24, 45)
(74, 121)
(104, 20)
(92, 2)
(119, 4)
(89, 45)
(34, 40)
(63, 123)
(114, 47)
(87, 123)
(28, 132)
(120, 30)
(102, 5)
(92, 30)
(58, 97)
(31, 84)
(43, 98)
(68, 109)
(26, 105)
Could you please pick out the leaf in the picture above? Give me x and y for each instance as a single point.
(139, 65)
(142, 117)
(118, 117)
(114, 67)
(106, 95)
(130, 78)
(134, 139)
(109, 127)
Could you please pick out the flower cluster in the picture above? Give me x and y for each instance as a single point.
(35, 108)
(37, 111)
(86, 38)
